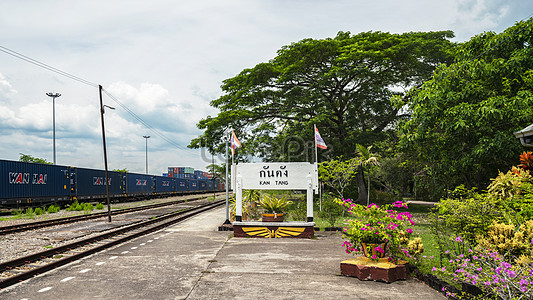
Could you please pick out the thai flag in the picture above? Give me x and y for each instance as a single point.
(319, 141)
(234, 143)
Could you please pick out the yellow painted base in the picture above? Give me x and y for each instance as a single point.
(277, 233)
(383, 263)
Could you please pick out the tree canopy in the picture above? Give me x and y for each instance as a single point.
(342, 84)
(464, 117)
(28, 158)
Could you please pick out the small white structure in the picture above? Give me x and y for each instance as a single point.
(275, 176)
(525, 136)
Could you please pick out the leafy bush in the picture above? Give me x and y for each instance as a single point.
(29, 212)
(75, 206)
(99, 206)
(297, 211)
(87, 207)
(468, 217)
(53, 209)
(38, 211)
(514, 189)
(331, 210)
(485, 239)
(251, 195)
(504, 238)
(17, 212)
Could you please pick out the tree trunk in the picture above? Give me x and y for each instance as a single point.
(363, 192)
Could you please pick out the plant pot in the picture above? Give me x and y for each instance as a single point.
(272, 218)
(369, 249)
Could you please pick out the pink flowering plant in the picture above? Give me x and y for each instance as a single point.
(374, 224)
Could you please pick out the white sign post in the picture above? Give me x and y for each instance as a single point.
(275, 176)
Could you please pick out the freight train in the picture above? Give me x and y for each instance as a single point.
(31, 184)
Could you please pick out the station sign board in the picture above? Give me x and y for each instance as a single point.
(276, 176)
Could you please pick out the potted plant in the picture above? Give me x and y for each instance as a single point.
(274, 208)
(373, 229)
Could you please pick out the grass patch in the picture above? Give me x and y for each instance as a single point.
(325, 222)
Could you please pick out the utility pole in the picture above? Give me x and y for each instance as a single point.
(146, 137)
(54, 96)
(105, 152)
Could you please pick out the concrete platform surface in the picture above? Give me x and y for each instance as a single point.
(192, 260)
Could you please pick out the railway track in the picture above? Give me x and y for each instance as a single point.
(53, 222)
(23, 268)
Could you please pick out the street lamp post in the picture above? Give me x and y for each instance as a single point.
(146, 137)
(54, 96)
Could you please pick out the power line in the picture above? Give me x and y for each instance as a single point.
(92, 84)
(150, 127)
(45, 66)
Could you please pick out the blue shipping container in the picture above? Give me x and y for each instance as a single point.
(182, 185)
(202, 185)
(90, 183)
(165, 185)
(210, 185)
(22, 182)
(139, 184)
(193, 185)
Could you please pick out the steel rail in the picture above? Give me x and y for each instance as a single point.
(163, 220)
(47, 223)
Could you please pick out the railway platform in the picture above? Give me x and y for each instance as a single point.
(192, 260)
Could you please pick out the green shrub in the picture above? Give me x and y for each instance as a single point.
(87, 207)
(297, 211)
(38, 211)
(251, 195)
(53, 209)
(331, 210)
(29, 212)
(17, 212)
(514, 189)
(99, 206)
(468, 217)
(75, 206)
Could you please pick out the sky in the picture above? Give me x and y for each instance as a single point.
(164, 61)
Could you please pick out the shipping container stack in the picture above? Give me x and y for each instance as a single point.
(181, 172)
(198, 174)
(170, 172)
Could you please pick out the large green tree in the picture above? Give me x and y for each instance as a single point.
(342, 84)
(463, 119)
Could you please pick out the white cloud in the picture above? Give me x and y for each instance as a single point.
(476, 16)
(165, 60)
(6, 90)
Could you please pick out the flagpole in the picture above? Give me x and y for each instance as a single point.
(316, 162)
(232, 146)
(316, 150)
(226, 140)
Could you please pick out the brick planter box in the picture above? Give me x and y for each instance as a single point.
(366, 269)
